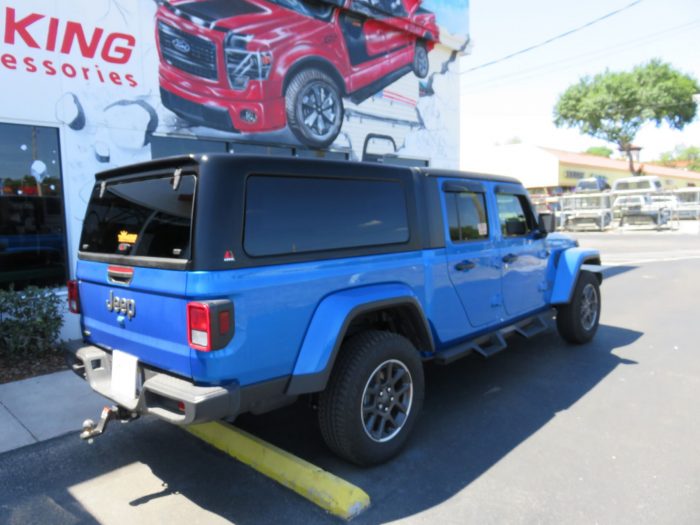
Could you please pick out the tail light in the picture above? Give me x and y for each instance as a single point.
(209, 324)
(73, 296)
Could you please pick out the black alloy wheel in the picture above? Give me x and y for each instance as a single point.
(314, 108)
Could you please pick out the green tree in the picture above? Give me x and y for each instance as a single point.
(600, 151)
(682, 157)
(614, 106)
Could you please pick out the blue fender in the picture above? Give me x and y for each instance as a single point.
(568, 268)
(330, 322)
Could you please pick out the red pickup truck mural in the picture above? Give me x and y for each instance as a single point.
(260, 65)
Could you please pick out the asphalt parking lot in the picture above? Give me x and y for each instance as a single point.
(541, 433)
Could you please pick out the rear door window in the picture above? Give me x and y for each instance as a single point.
(143, 218)
(466, 215)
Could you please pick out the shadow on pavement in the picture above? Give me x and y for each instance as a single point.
(476, 412)
(612, 271)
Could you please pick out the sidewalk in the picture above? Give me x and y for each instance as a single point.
(44, 407)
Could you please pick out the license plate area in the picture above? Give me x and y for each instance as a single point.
(125, 378)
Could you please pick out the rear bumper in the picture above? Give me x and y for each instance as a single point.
(163, 395)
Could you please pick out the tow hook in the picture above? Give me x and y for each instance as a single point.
(92, 430)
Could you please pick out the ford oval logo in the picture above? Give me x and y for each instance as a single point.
(181, 45)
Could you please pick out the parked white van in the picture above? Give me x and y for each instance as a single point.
(641, 184)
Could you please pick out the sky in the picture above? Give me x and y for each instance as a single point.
(514, 99)
(450, 14)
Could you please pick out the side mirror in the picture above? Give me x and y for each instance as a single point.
(546, 222)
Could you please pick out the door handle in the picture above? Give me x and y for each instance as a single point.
(464, 266)
(509, 258)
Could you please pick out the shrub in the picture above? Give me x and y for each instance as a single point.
(30, 323)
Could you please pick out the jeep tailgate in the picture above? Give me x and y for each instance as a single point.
(146, 318)
(134, 253)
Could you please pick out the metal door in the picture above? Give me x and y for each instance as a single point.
(472, 253)
(523, 252)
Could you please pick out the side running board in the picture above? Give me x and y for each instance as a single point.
(491, 344)
(531, 327)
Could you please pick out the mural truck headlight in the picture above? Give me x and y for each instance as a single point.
(243, 65)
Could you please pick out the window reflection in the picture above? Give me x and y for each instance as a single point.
(515, 215)
(287, 215)
(32, 239)
(466, 215)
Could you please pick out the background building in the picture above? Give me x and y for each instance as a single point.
(539, 167)
(91, 85)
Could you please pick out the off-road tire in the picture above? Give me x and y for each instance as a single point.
(312, 92)
(573, 323)
(421, 63)
(340, 407)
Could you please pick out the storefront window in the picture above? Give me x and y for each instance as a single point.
(32, 223)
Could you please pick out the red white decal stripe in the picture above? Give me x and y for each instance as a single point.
(392, 95)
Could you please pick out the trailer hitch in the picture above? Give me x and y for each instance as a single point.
(92, 430)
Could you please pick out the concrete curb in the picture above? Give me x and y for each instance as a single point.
(322, 488)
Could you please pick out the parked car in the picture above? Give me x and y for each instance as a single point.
(213, 285)
(259, 65)
(32, 241)
(592, 184)
(665, 200)
(640, 209)
(640, 184)
(586, 210)
(688, 203)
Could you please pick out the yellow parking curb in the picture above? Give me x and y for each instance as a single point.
(329, 492)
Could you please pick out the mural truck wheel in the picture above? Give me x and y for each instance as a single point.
(314, 108)
(421, 65)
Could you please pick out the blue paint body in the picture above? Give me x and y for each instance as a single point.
(567, 271)
(288, 318)
(330, 316)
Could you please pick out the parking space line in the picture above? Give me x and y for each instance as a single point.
(322, 488)
(633, 261)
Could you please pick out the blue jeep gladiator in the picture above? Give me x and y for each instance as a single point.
(213, 285)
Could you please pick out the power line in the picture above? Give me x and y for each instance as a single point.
(567, 63)
(553, 39)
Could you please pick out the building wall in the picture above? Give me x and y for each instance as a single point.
(538, 167)
(569, 174)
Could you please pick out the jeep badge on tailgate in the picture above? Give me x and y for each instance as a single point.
(121, 305)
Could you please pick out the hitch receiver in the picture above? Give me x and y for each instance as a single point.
(92, 430)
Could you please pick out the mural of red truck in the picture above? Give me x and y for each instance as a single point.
(260, 65)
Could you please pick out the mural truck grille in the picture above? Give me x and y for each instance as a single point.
(190, 53)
